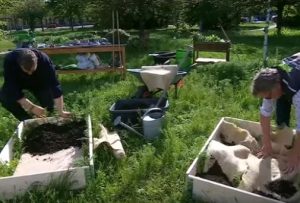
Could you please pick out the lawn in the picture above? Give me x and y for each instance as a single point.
(155, 171)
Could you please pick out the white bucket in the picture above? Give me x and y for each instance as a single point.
(152, 123)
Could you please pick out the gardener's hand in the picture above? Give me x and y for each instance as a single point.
(265, 151)
(38, 111)
(292, 162)
(65, 114)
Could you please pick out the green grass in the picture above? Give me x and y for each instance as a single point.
(6, 45)
(155, 171)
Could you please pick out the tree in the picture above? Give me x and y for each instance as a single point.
(8, 8)
(262, 4)
(212, 13)
(134, 14)
(31, 10)
(68, 9)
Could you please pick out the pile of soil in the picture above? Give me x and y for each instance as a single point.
(49, 138)
(215, 174)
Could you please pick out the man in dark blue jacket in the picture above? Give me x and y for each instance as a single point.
(32, 70)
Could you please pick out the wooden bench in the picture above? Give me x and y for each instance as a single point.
(115, 49)
(210, 47)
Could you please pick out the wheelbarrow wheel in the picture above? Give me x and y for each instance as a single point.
(142, 92)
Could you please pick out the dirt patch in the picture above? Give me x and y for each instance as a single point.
(279, 188)
(215, 174)
(49, 138)
(283, 188)
(265, 194)
(223, 141)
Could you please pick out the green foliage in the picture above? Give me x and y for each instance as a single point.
(236, 180)
(183, 30)
(8, 169)
(212, 13)
(57, 189)
(198, 37)
(230, 72)
(202, 158)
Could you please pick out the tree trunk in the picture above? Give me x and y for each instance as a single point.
(143, 34)
(31, 22)
(42, 24)
(71, 23)
(280, 6)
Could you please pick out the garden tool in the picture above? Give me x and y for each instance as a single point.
(112, 139)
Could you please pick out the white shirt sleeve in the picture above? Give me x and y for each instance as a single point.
(266, 108)
(296, 102)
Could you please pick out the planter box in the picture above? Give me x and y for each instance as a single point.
(210, 47)
(211, 191)
(12, 186)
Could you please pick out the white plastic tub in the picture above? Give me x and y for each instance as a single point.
(210, 191)
(12, 186)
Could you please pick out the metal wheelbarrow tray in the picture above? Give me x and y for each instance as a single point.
(131, 110)
(178, 77)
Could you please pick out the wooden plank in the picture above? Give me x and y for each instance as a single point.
(91, 146)
(6, 155)
(96, 70)
(209, 60)
(82, 49)
(90, 49)
(17, 185)
(212, 46)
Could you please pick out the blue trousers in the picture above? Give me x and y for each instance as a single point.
(283, 110)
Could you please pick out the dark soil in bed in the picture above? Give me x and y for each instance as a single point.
(283, 188)
(215, 174)
(280, 189)
(49, 138)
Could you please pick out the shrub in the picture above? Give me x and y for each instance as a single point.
(232, 73)
(198, 37)
(293, 21)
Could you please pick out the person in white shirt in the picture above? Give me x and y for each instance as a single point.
(281, 88)
(87, 61)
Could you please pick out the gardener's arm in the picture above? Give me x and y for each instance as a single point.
(265, 122)
(31, 107)
(59, 104)
(54, 86)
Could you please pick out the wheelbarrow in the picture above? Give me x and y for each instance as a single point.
(140, 93)
(148, 110)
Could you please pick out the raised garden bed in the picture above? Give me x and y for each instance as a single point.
(226, 169)
(52, 148)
